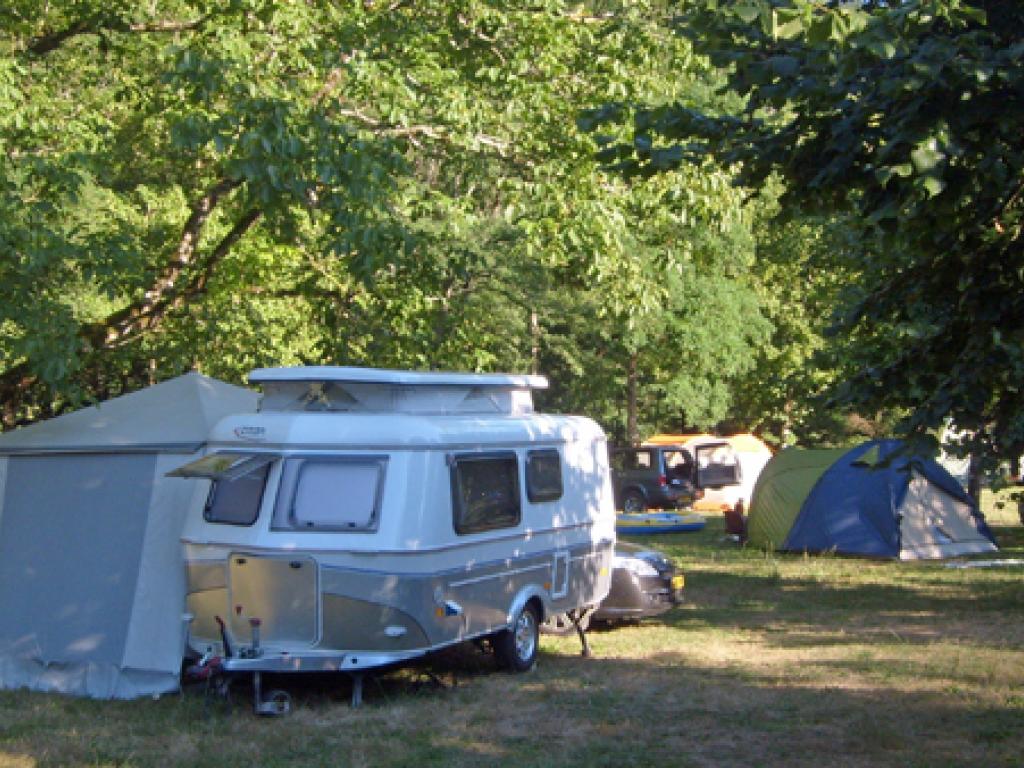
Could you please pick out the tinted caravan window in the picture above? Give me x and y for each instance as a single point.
(485, 492)
(333, 494)
(543, 475)
(236, 500)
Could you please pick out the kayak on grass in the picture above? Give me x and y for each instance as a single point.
(658, 522)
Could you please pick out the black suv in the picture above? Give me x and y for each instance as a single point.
(667, 476)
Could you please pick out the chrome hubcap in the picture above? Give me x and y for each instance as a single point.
(526, 635)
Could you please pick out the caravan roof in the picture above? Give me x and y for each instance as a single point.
(339, 388)
(383, 376)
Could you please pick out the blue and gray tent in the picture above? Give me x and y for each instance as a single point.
(874, 500)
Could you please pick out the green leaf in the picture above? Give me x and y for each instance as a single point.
(748, 12)
(883, 49)
(932, 185)
(926, 157)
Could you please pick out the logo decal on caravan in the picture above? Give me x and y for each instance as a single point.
(254, 434)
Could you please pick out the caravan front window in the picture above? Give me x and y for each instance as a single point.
(485, 492)
(236, 500)
(330, 493)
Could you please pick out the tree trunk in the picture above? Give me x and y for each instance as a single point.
(1017, 478)
(632, 431)
(534, 342)
(974, 478)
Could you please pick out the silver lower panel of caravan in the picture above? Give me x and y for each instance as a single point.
(319, 612)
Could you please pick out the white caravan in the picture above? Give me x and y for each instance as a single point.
(365, 517)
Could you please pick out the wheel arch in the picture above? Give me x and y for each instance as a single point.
(638, 489)
(534, 595)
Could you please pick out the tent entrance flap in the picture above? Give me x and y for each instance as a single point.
(934, 524)
(223, 466)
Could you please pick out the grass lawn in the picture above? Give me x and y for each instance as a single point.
(775, 660)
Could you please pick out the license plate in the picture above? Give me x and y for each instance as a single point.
(678, 582)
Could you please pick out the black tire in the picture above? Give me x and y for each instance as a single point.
(634, 501)
(516, 647)
(277, 704)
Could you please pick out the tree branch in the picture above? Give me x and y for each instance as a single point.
(43, 45)
(150, 316)
(98, 23)
(170, 26)
(15, 383)
(106, 332)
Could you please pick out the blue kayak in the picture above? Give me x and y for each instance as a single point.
(658, 522)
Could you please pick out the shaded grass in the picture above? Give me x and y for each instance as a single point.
(774, 660)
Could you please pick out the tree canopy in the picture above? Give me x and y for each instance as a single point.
(221, 185)
(907, 116)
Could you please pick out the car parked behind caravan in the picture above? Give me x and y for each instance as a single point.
(735, 467)
(645, 583)
(671, 476)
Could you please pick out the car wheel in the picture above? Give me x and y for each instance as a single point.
(634, 501)
(516, 648)
(561, 624)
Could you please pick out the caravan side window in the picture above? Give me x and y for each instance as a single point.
(236, 501)
(330, 493)
(485, 492)
(543, 475)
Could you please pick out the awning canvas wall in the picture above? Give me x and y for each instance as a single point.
(91, 573)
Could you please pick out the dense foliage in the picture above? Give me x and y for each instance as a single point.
(908, 116)
(225, 184)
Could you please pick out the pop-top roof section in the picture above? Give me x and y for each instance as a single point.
(344, 388)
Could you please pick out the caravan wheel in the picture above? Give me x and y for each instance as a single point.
(516, 648)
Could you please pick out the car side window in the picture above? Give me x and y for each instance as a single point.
(543, 475)
(485, 492)
(677, 464)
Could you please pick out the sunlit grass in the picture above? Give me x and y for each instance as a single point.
(775, 660)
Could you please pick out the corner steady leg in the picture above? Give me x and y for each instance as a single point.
(585, 650)
(357, 689)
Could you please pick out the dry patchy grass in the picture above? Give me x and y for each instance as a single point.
(774, 660)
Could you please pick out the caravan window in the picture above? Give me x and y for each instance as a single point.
(330, 493)
(485, 492)
(237, 500)
(543, 475)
